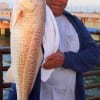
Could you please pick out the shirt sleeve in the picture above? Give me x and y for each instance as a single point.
(88, 56)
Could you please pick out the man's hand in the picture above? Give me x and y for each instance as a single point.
(54, 61)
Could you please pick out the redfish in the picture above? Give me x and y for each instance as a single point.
(27, 29)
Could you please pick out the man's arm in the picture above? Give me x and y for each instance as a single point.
(86, 58)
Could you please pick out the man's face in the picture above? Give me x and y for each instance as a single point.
(57, 6)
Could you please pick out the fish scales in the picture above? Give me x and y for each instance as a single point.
(26, 38)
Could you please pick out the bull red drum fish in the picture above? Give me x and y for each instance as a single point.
(27, 28)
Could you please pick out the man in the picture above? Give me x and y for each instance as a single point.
(77, 53)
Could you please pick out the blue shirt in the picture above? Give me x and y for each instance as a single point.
(87, 57)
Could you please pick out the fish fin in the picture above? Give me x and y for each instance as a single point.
(29, 4)
(9, 77)
(16, 14)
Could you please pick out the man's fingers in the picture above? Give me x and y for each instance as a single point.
(53, 56)
(49, 58)
(53, 61)
(47, 66)
(52, 64)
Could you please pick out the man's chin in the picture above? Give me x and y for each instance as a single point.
(58, 14)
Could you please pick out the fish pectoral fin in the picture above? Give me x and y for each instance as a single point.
(16, 14)
(26, 3)
(29, 4)
(9, 76)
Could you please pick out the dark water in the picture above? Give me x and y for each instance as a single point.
(6, 61)
(91, 80)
